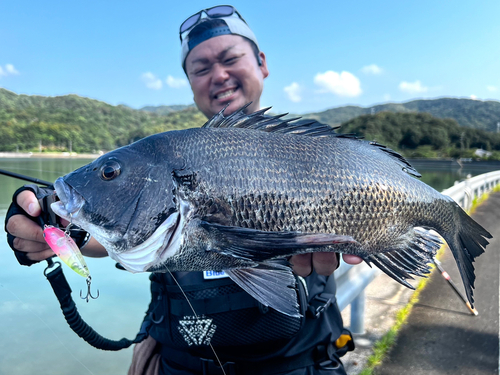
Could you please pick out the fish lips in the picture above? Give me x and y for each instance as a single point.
(70, 201)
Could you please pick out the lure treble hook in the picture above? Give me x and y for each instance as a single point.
(89, 293)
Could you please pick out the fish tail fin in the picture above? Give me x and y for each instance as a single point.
(414, 259)
(466, 244)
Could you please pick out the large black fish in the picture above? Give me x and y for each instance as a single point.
(245, 190)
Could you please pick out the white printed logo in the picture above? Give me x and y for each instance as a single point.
(197, 331)
(212, 275)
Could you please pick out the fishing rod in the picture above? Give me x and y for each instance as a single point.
(54, 274)
(454, 286)
(25, 178)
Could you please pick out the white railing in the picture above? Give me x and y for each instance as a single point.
(352, 280)
(464, 192)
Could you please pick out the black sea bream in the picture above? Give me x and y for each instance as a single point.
(245, 190)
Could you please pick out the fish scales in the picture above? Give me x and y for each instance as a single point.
(244, 191)
(332, 189)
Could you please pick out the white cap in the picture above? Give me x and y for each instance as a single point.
(234, 25)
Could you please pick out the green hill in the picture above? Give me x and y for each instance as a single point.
(422, 135)
(166, 109)
(440, 127)
(89, 124)
(470, 113)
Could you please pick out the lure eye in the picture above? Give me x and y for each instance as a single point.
(110, 170)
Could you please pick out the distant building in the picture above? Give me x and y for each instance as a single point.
(482, 153)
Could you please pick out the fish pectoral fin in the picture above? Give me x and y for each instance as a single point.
(413, 260)
(259, 245)
(271, 283)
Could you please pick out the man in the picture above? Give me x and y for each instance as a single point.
(225, 67)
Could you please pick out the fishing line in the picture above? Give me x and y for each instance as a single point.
(196, 316)
(35, 170)
(50, 328)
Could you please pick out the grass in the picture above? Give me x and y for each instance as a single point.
(384, 345)
(478, 200)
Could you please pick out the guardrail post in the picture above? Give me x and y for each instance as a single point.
(358, 314)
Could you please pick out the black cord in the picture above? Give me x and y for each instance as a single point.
(62, 291)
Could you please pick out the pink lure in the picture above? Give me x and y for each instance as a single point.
(66, 249)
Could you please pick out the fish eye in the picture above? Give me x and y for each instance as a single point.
(110, 170)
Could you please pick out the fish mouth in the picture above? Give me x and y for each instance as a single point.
(70, 202)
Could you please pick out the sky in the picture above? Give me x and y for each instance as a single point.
(320, 54)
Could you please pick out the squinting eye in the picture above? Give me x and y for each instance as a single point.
(110, 170)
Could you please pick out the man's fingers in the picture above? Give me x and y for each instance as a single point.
(322, 263)
(23, 228)
(302, 264)
(351, 259)
(41, 255)
(30, 246)
(325, 263)
(28, 202)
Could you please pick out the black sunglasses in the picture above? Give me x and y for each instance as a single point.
(218, 11)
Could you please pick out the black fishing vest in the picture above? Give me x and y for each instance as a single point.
(237, 325)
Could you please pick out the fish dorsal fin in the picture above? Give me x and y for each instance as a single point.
(405, 164)
(275, 124)
(271, 124)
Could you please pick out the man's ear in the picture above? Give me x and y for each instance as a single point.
(263, 64)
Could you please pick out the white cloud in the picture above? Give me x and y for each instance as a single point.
(412, 87)
(491, 88)
(151, 81)
(176, 83)
(387, 97)
(343, 84)
(8, 70)
(293, 92)
(372, 69)
(473, 97)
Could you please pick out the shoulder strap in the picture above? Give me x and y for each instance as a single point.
(322, 301)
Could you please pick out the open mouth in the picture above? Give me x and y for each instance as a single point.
(70, 201)
(225, 94)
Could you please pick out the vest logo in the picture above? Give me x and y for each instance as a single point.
(197, 330)
(212, 275)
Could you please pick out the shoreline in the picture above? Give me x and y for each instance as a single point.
(47, 155)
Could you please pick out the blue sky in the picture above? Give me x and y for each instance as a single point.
(321, 54)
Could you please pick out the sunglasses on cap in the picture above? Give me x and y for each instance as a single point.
(219, 11)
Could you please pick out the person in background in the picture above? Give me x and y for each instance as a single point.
(226, 69)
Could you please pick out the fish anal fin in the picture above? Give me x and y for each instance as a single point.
(400, 264)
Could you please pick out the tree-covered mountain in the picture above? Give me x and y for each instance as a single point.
(422, 135)
(166, 109)
(88, 124)
(470, 113)
(417, 128)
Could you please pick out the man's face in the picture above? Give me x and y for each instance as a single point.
(224, 70)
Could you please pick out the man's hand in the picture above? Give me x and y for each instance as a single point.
(323, 263)
(28, 235)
